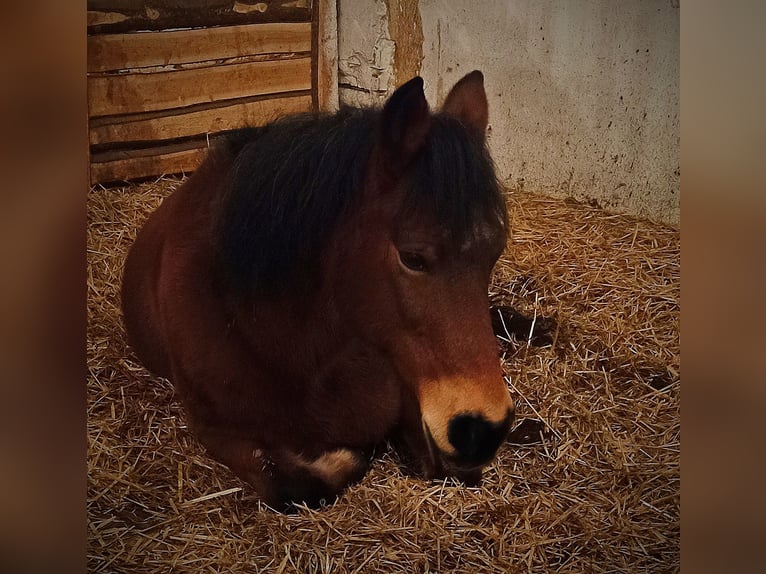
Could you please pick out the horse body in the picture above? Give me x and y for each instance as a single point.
(303, 327)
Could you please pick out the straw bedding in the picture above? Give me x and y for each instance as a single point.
(599, 491)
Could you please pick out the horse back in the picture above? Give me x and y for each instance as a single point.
(171, 242)
(139, 296)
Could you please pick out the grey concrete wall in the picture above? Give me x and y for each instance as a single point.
(584, 96)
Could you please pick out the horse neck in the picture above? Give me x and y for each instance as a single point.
(275, 326)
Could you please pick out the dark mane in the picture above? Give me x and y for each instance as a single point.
(454, 178)
(294, 178)
(291, 181)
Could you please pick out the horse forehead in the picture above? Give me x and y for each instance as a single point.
(484, 232)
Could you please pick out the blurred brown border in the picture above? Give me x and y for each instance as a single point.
(723, 267)
(42, 279)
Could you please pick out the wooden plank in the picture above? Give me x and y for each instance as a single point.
(151, 151)
(120, 51)
(132, 93)
(209, 120)
(114, 16)
(129, 168)
(327, 56)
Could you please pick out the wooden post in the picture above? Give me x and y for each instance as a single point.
(327, 56)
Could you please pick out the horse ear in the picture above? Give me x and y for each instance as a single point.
(467, 101)
(405, 122)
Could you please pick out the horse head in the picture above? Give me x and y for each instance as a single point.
(415, 268)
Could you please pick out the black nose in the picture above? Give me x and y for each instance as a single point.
(475, 438)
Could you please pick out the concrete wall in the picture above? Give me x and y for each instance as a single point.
(584, 96)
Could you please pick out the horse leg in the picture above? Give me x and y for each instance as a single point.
(321, 479)
(282, 478)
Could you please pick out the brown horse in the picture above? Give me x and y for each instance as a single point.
(320, 285)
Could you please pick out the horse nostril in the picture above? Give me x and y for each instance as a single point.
(475, 438)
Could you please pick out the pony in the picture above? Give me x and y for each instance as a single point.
(320, 285)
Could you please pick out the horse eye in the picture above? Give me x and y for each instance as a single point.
(413, 261)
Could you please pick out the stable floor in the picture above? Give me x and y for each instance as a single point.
(597, 491)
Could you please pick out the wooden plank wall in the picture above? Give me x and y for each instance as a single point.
(164, 80)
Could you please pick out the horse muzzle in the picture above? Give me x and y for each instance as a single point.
(473, 442)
